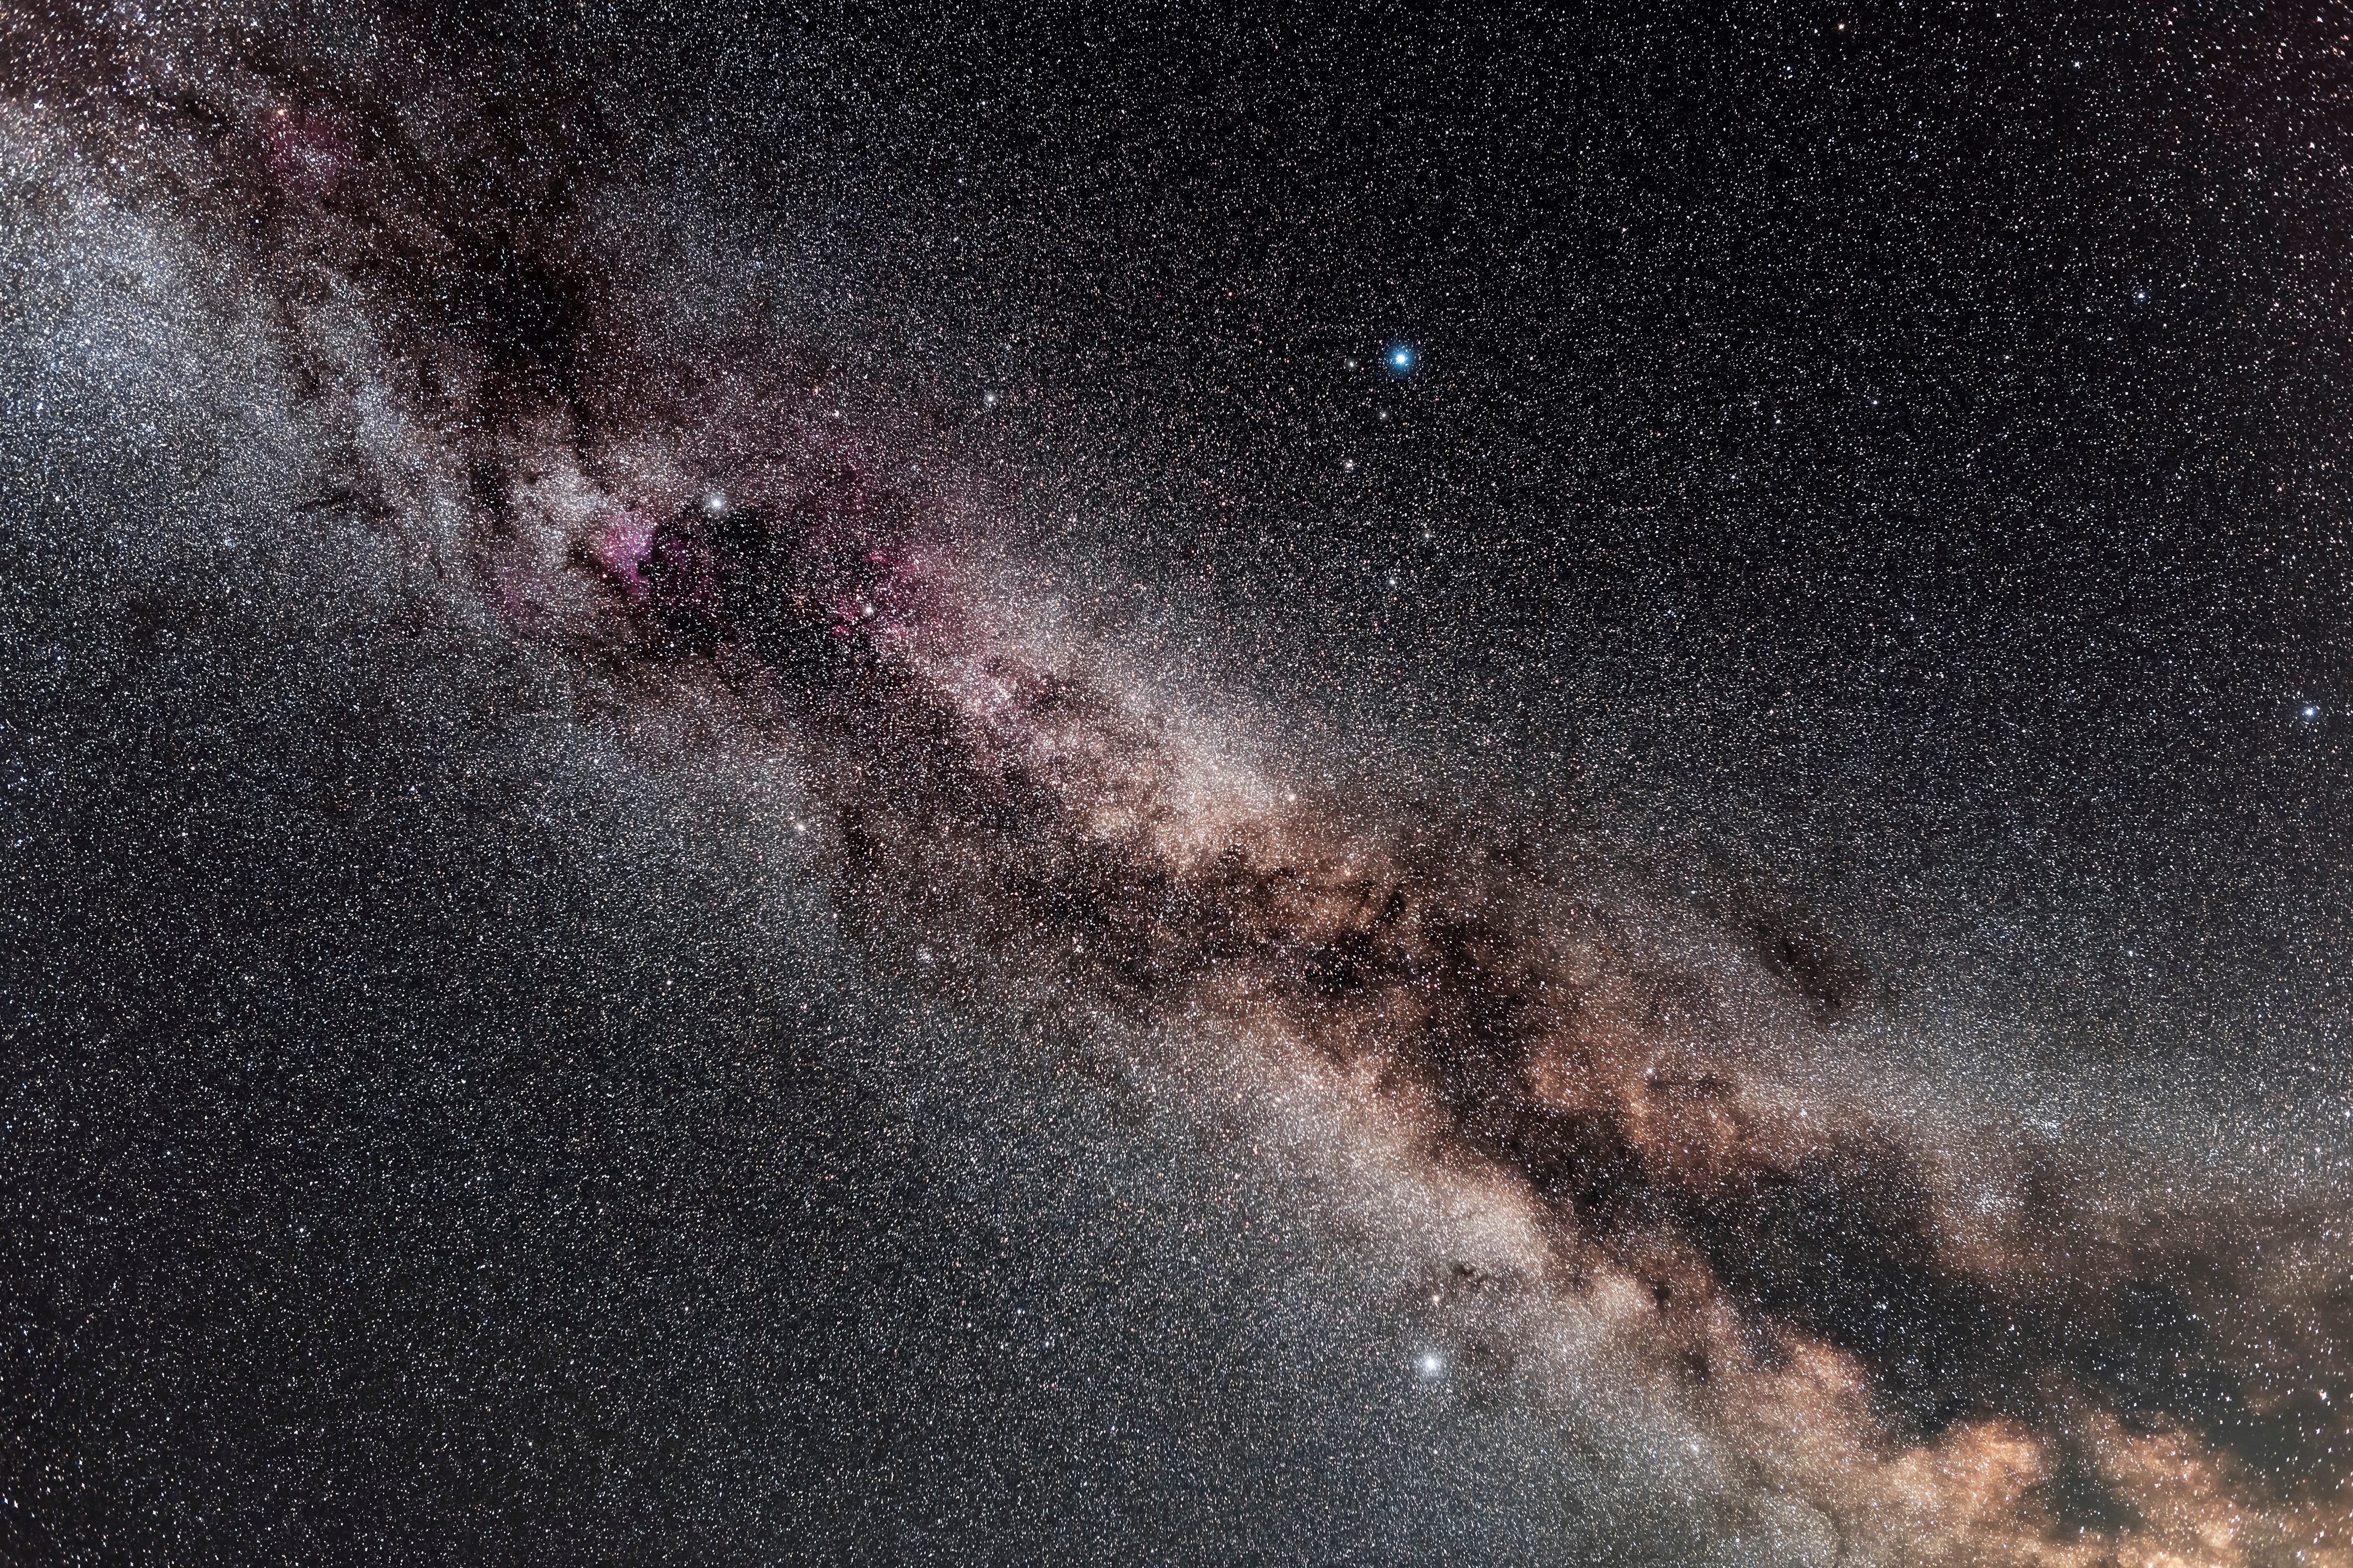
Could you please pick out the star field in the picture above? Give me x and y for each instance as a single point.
(909, 783)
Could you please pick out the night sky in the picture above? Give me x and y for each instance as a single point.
(927, 784)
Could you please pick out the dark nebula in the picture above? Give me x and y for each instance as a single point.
(1139, 789)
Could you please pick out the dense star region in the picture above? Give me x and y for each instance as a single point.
(1432, 787)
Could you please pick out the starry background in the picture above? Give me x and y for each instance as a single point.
(1893, 459)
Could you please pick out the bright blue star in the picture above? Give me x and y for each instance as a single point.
(1401, 359)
